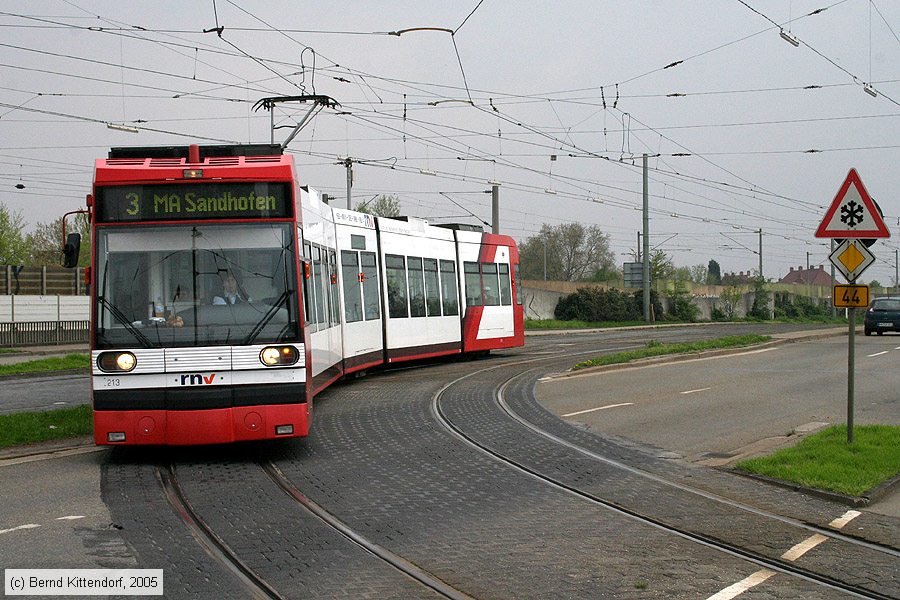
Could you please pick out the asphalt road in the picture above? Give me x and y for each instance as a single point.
(380, 462)
(729, 405)
(43, 392)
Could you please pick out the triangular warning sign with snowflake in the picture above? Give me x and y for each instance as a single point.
(853, 213)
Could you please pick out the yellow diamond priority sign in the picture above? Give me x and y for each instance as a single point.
(851, 258)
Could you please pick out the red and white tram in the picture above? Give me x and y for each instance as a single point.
(225, 296)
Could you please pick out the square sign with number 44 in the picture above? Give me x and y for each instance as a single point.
(851, 296)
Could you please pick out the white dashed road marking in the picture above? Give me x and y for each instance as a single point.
(743, 585)
(28, 526)
(581, 412)
(878, 353)
(694, 391)
(804, 547)
(844, 519)
(794, 553)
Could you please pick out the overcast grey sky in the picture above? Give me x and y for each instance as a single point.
(747, 132)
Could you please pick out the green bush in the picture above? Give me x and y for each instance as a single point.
(597, 305)
(682, 307)
(799, 308)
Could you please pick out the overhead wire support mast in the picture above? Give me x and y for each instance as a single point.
(319, 102)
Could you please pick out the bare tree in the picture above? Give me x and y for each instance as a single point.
(573, 253)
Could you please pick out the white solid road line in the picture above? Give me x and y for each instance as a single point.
(28, 526)
(695, 391)
(70, 518)
(732, 591)
(581, 412)
(878, 353)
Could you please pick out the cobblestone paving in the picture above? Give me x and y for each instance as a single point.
(294, 551)
(155, 533)
(472, 406)
(378, 460)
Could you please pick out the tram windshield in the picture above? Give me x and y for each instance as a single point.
(195, 285)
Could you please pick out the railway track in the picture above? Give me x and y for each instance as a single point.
(496, 389)
(255, 583)
(694, 534)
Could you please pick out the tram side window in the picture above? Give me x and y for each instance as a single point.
(520, 297)
(396, 286)
(371, 299)
(473, 284)
(505, 293)
(352, 297)
(308, 289)
(319, 296)
(416, 287)
(333, 287)
(449, 295)
(490, 284)
(432, 292)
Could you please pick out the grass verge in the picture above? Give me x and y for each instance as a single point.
(41, 365)
(826, 461)
(655, 348)
(557, 324)
(32, 427)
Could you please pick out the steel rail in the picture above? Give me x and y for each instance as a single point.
(398, 562)
(209, 541)
(735, 551)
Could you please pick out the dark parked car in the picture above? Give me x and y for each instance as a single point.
(883, 315)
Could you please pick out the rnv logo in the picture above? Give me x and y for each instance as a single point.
(197, 379)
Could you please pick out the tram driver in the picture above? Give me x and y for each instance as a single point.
(231, 292)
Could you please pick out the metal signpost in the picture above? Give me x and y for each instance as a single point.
(854, 218)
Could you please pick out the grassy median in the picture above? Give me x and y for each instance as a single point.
(827, 461)
(655, 348)
(32, 427)
(42, 365)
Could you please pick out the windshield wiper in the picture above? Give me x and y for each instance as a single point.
(266, 318)
(121, 318)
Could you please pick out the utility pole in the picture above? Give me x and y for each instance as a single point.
(495, 210)
(348, 162)
(646, 282)
(896, 269)
(545, 258)
(760, 255)
(833, 307)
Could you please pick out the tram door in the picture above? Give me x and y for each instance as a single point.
(359, 274)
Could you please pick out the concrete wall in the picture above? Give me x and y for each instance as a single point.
(541, 298)
(17, 309)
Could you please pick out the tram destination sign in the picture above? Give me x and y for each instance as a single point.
(192, 201)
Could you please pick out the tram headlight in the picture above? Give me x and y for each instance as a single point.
(116, 362)
(275, 356)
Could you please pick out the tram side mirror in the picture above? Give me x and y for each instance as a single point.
(71, 250)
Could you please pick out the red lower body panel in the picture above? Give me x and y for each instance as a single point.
(194, 427)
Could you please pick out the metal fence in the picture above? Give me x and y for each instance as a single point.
(41, 333)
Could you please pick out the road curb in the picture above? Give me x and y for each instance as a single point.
(45, 449)
(673, 358)
(863, 500)
(32, 375)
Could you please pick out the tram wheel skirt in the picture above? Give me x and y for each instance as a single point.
(196, 427)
